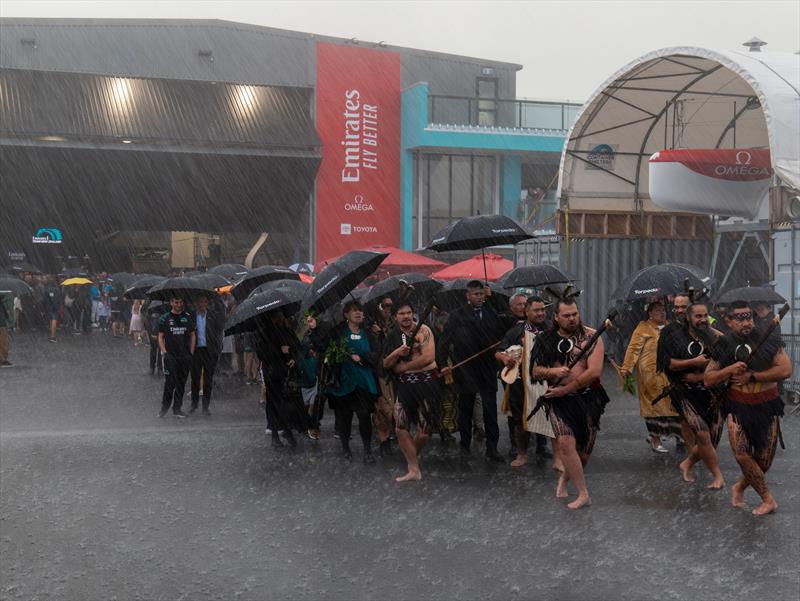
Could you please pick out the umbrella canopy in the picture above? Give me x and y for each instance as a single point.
(534, 276)
(139, 288)
(655, 281)
(254, 278)
(181, 287)
(123, 278)
(473, 268)
(423, 287)
(252, 313)
(302, 267)
(294, 285)
(73, 272)
(452, 295)
(755, 294)
(213, 280)
(22, 267)
(77, 282)
(231, 271)
(399, 261)
(15, 286)
(340, 277)
(479, 231)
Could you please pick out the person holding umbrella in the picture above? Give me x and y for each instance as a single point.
(176, 339)
(661, 419)
(5, 342)
(52, 302)
(204, 360)
(471, 329)
(356, 390)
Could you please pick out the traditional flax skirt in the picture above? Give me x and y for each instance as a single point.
(664, 426)
(697, 408)
(418, 402)
(578, 415)
(755, 414)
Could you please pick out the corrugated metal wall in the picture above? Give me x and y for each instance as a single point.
(600, 264)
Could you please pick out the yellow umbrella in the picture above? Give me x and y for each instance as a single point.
(76, 282)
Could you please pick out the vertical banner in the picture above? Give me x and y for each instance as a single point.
(358, 121)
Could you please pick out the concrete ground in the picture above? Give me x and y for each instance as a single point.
(100, 499)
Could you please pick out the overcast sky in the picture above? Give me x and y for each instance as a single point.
(566, 48)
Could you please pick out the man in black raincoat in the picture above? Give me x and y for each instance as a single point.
(470, 329)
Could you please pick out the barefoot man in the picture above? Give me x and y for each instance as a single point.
(413, 364)
(752, 402)
(576, 399)
(685, 359)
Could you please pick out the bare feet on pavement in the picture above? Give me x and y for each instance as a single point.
(581, 501)
(737, 499)
(765, 508)
(411, 475)
(686, 471)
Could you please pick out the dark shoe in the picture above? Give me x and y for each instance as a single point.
(179, 414)
(162, 413)
(206, 412)
(347, 454)
(276, 443)
(493, 455)
(193, 408)
(6, 364)
(290, 438)
(447, 437)
(544, 452)
(512, 453)
(369, 457)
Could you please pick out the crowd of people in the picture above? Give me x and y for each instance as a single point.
(410, 379)
(406, 373)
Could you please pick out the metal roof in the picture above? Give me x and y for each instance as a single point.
(206, 50)
(69, 109)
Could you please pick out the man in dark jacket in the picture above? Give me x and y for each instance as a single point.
(470, 329)
(210, 325)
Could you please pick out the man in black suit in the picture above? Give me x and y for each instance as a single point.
(209, 346)
(470, 329)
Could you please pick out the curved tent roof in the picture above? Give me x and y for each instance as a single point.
(682, 97)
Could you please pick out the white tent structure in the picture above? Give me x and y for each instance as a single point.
(682, 98)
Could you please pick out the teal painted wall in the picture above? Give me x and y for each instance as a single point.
(415, 133)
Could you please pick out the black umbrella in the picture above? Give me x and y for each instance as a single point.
(181, 287)
(73, 272)
(15, 286)
(139, 288)
(340, 277)
(755, 294)
(422, 287)
(252, 313)
(254, 278)
(656, 281)
(478, 232)
(534, 276)
(232, 271)
(23, 267)
(294, 285)
(212, 280)
(452, 296)
(123, 278)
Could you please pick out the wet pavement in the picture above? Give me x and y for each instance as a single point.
(103, 500)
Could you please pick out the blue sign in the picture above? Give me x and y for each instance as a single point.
(47, 235)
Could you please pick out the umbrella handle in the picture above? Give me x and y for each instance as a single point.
(485, 276)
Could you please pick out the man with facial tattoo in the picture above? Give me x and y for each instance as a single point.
(753, 405)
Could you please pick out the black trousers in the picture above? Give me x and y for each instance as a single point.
(203, 365)
(155, 356)
(176, 371)
(466, 402)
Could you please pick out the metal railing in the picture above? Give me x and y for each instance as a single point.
(791, 386)
(521, 114)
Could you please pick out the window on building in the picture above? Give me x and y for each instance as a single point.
(452, 187)
(486, 90)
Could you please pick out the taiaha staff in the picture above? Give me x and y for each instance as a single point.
(581, 354)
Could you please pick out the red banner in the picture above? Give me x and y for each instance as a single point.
(358, 121)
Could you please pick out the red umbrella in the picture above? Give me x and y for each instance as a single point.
(399, 261)
(496, 267)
